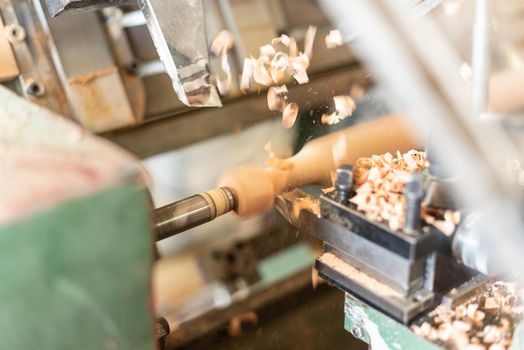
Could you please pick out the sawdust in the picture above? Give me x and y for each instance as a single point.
(358, 276)
(310, 204)
(485, 322)
(88, 78)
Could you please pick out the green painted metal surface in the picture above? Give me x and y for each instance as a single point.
(378, 330)
(77, 276)
(285, 263)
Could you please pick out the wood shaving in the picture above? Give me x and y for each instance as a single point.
(88, 78)
(328, 189)
(261, 73)
(277, 98)
(275, 162)
(379, 185)
(330, 119)
(267, 50)
(301, 77)
(289, 116)
(235, 324)
(310, 204)
(222, 42)
(445, 221)
(334, 39)
(247, 73)
(275, 66)
(483, 322)
(309, 39)
(344, 107)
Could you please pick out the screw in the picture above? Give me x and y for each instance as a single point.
(413, 192)
(34, 87)
(133, 68)
(356, 331)
(15, 33)
(344, 182)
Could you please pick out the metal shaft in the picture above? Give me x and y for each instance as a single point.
(191, 212)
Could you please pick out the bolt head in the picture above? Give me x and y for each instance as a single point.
(356, 331)
(344, 177)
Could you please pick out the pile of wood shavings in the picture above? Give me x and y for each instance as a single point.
(485, 322)
(379, 185)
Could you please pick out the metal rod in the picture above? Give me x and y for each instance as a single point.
(481, 57)
(191, 212)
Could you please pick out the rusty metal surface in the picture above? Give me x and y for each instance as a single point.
(88, 72)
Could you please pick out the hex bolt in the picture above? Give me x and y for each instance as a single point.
(34, 87)
(344, 182)
(356, 331)
(15, 33)
(133, 68)
(413, 192)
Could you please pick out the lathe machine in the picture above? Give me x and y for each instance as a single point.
(79, 228)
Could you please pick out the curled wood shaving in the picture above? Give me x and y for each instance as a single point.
(277, 98)
(287, 41)
(309, 204)
(289, 115)
(330, 119)
(247, 73)
(261, 74)
(315, 278)
(344, 107)
(222, 42)
(334, 39)
(267, 50)
(275, 162)
(275, 66)
(309, 39)
(224, 85)
(301, 77)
